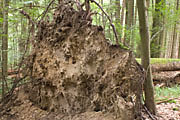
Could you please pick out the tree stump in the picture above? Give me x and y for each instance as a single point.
(76, 74)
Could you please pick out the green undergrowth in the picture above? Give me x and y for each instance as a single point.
(160, 60)
(166, 93)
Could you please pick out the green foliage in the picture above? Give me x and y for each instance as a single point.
(1, 20)
(19, 25)
(166, 93)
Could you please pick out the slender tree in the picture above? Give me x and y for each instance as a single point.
(145, 56)
(175, 38)
(1, 27)
(117, 16)
(122, 20)
(5, 45)
(157, 29)
(130, 21)
(103, 16)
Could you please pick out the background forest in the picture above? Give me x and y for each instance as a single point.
(163, 23)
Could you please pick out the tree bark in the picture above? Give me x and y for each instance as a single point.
(174, 66)
(126, 22)
(122, 20)
(179, 45)
(145, 51)
(163, 39)
(118, 25)
(156, 30)
(169, 43)
(1, 32)
(5, 45)
(175, 44)
(103, 17)
(129, 21)
(21, 41)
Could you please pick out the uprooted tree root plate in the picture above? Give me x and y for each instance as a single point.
(76, 74)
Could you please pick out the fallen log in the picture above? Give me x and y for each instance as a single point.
(173, 66)
(167, 78)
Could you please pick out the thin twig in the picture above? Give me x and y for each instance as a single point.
(28, 16)
(44, 13)
(164, 101)
(156, 34)
(112, 25)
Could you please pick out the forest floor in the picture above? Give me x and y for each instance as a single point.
(167, 110)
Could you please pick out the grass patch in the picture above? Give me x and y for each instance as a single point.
(166, 93)
(160, 60)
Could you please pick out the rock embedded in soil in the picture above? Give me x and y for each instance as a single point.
(77, 75)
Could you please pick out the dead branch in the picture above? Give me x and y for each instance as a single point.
(28, 16)
(44, 13)
(165, 101)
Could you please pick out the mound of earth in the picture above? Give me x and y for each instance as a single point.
(75, 74)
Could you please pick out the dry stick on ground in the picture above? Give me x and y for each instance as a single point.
(165, 101)
(112, 25)
(150, 115)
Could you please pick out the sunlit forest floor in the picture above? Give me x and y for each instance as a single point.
(168, 103)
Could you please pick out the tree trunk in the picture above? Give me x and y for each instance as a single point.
(117, 17)
(147, 3)
(122, 20)
(1, 32)
(21, 41)
(156, 30)
(126, 22)
(175, 44)
(169, 43)
(103, 16)
(134, 15)
(109, 27)
(163, 39)
(129, 21)
(5, 45)
(145, 51)
(179, 45)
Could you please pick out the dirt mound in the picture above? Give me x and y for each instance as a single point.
(75, 74)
